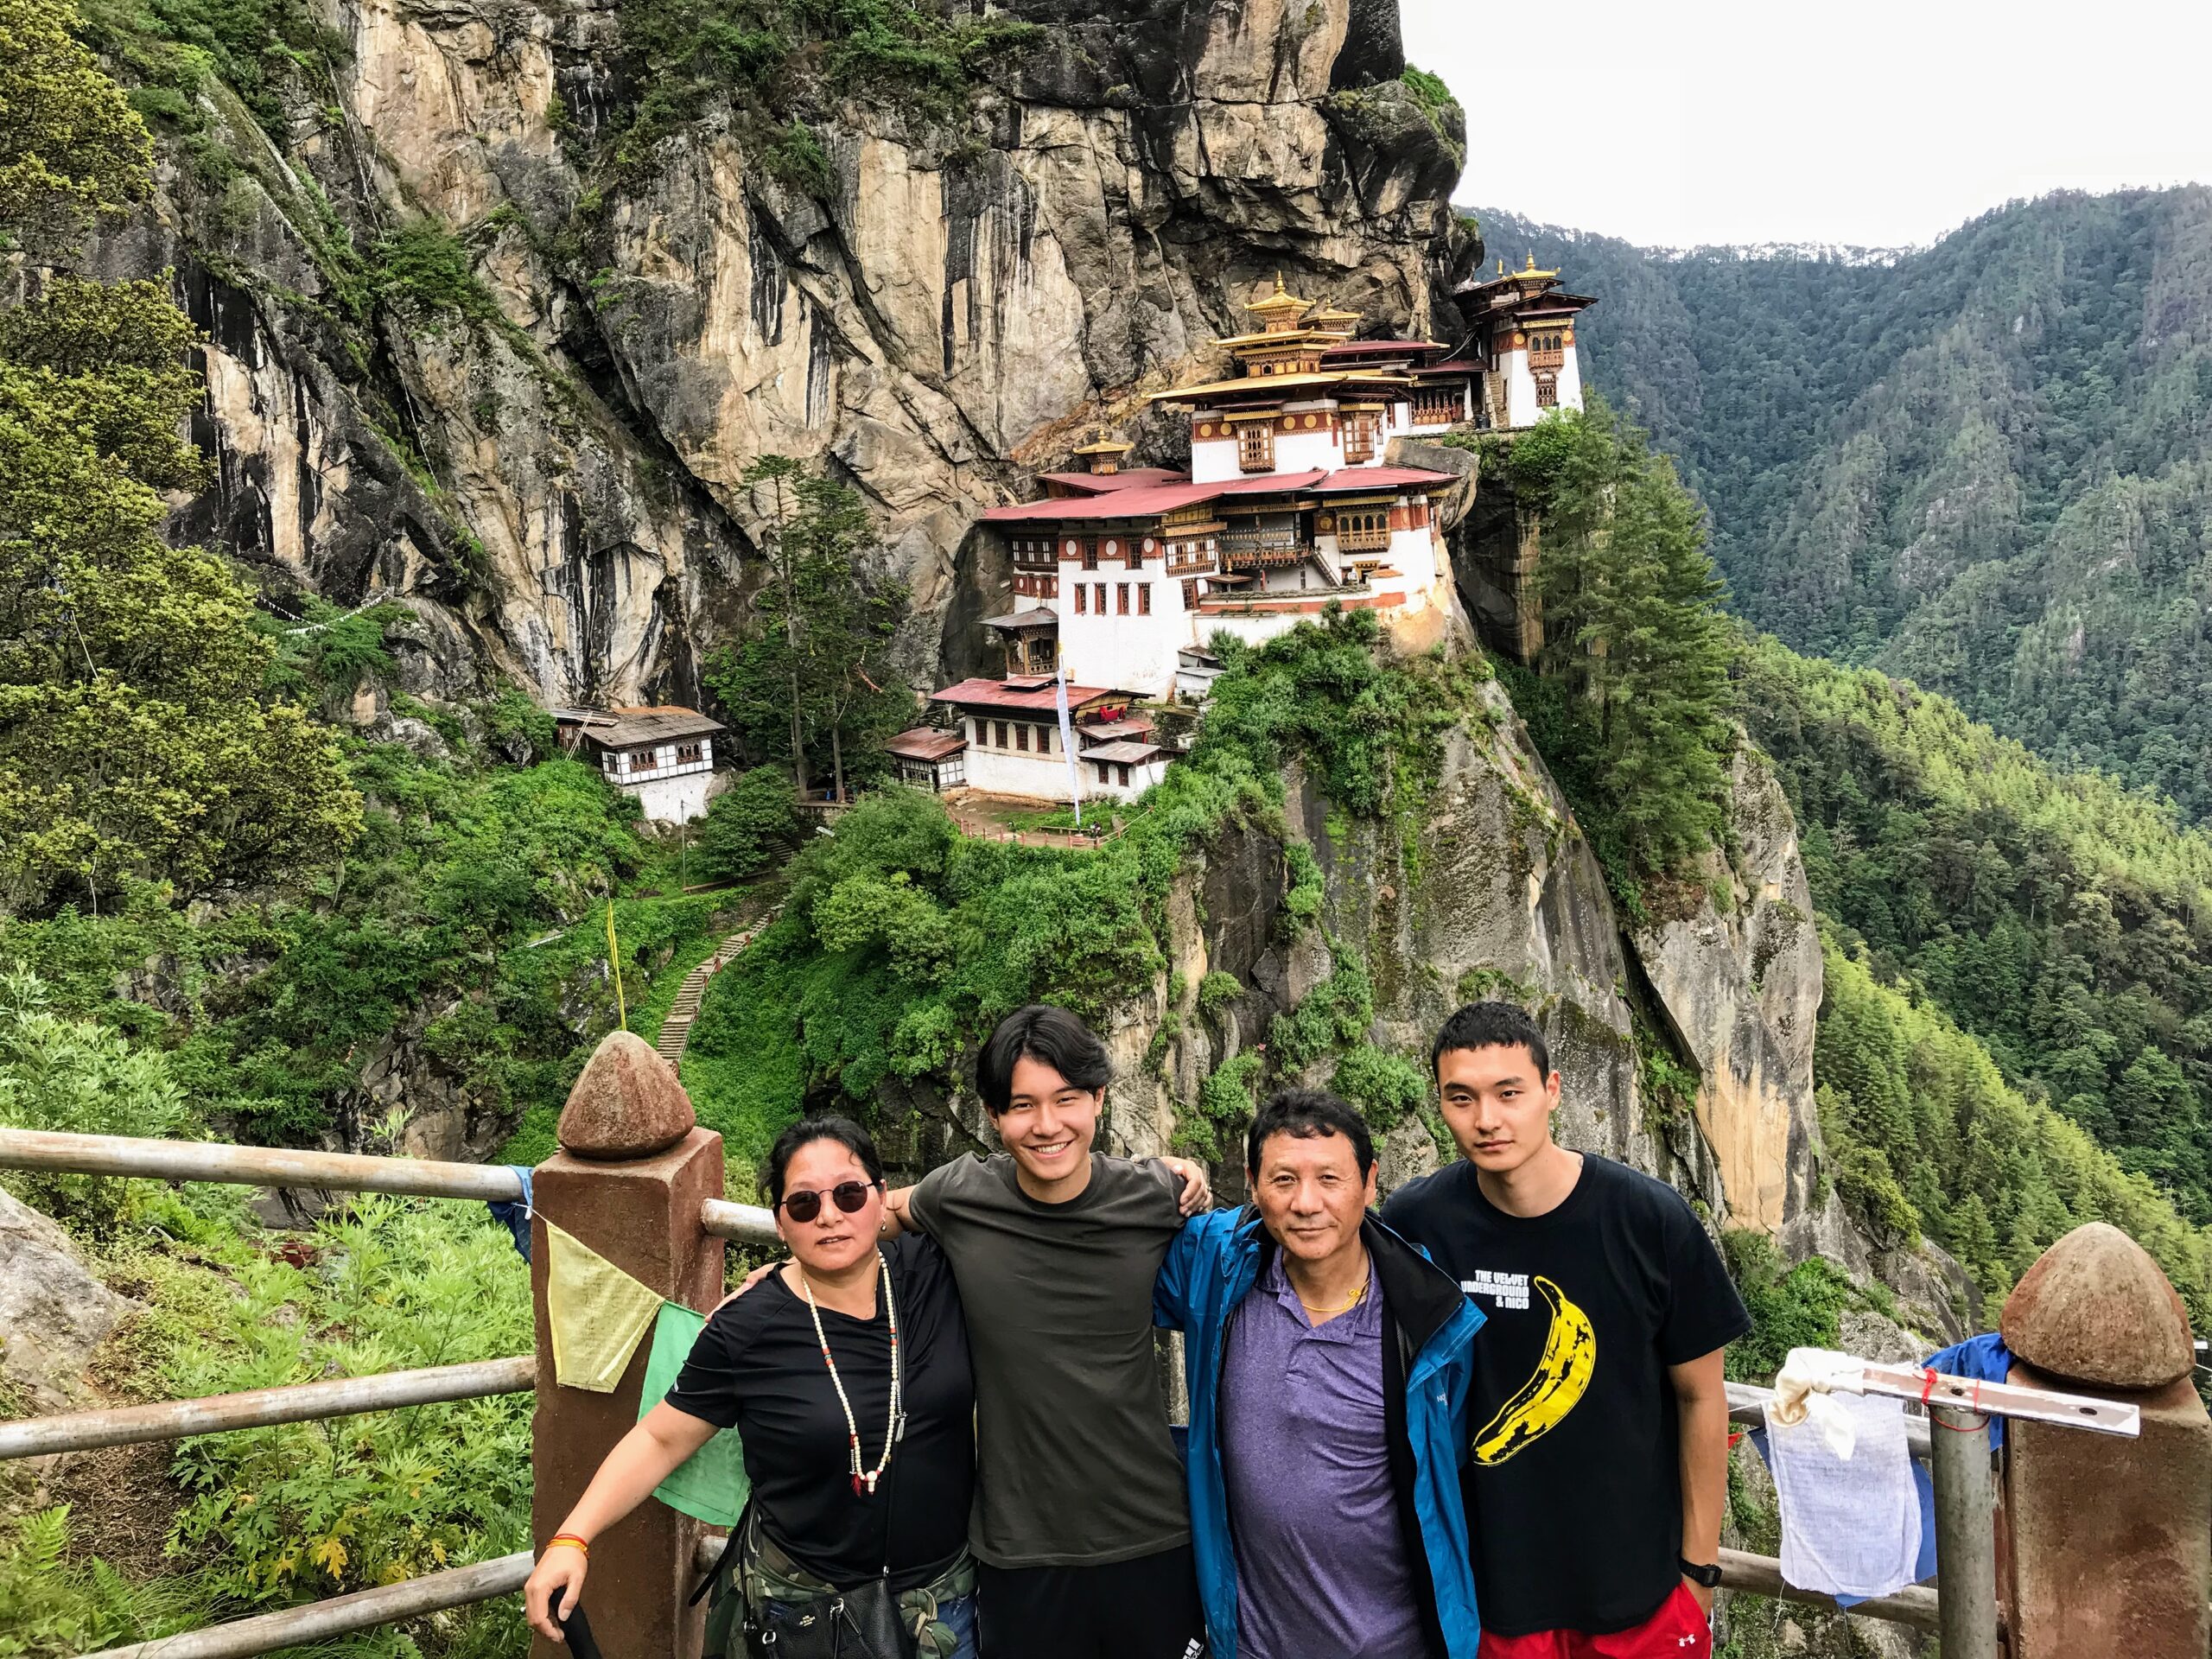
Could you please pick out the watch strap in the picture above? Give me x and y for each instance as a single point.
(1709, 1576)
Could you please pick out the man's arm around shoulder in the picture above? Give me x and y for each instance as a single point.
(1193, 1261)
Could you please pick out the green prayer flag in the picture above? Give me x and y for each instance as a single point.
(711, 1485)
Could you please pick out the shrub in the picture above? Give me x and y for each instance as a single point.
(77, 1077)
(750, 825)
(1216, 992)
(1386, 1088)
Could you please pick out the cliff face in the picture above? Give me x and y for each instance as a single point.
(540, 449)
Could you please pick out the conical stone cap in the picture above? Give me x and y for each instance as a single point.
(2095, 1309)
(627, 1104)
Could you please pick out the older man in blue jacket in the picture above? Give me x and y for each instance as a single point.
(1328, 1368)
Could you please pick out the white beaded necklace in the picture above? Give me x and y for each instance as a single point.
(863, 1481)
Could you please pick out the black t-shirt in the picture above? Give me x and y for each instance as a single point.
(1573, 1489)
(758, 1368)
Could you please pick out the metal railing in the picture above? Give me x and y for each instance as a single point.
(434, 1592)
(344, 1397)
(295, 1402)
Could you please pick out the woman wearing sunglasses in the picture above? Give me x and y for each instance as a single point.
(846, 1378)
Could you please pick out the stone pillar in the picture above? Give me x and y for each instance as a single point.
(2109, 1550)
(632, 1170)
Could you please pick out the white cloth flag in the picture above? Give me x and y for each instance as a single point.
(1067, 742)
(1850, 1521)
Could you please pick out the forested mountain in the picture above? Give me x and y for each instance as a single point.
(2061, 920)
(1985, 466)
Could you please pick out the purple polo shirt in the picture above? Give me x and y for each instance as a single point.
(1321, 1569)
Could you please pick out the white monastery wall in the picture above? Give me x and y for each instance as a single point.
(674, 800)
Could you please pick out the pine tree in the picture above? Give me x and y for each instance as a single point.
(137, 742)
(1632, 626)
(815, 668)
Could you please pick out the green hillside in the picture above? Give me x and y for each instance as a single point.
(1985, 466)
(2009, 946)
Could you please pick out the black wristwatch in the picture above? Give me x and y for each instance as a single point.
(1707, 1576)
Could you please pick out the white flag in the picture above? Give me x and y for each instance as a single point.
(1067, 742)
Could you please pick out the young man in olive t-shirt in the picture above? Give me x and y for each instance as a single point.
(1598, 1468)
(1080, 1525)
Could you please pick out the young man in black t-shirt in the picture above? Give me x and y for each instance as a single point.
(1597, 1474)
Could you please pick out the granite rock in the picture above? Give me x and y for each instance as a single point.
(2095, 1309)
(627, 1104)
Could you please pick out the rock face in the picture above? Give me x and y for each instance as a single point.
(53, 1313)
(1740, 981)
(547, 467)
(2095, 1309)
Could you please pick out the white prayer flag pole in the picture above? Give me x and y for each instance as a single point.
(1067, 739)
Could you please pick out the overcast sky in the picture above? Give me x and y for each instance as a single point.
(1881, 123)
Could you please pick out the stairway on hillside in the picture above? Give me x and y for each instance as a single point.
(676, 1028)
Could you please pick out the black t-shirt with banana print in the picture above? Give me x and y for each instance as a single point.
(1573, 1483)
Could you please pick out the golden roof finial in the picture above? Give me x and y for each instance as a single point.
(1531, 266)
(1279, 286)
(1500, 264)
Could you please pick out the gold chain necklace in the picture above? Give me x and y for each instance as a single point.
(863, 1480)
(1354, 1300)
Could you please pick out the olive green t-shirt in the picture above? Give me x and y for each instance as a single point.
(1074, 1465)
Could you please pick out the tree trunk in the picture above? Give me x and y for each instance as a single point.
(837, 763)
(791, 643)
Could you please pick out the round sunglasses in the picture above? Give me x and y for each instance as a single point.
(848, 1196)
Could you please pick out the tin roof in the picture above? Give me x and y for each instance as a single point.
(1037, 616)
(1126, 752)
(925, 743)
(1379, 347)
(634, 727)
(1149, 501)
(1107, 730)
(1129, 478)
(999, 694)
(1346, 479)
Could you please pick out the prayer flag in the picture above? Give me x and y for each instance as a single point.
(1067, 741)
(711, 1485)
(598, 1313)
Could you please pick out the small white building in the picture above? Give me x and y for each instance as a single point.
(664, 756)
(929, 757)
(1012, 731)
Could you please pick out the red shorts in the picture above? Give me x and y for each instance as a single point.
(1678, 1630)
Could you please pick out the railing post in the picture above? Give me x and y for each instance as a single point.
(1966, 1533)
(629, 1179)
(2110, 1540)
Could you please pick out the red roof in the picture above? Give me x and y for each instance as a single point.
(1454, 365)
(925, 743)
(996, 694)
(1145, 501)
(1378, 477)
(1129, 477)
(1371, 347)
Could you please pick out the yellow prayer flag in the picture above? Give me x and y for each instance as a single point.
(598, 1313)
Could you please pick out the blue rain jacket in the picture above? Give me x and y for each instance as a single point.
(1428, 1325)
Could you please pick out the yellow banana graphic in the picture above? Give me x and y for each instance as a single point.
(1555, 1387)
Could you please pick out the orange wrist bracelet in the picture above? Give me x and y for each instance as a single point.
(570, 1540)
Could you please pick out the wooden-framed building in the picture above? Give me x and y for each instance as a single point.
(663, 755)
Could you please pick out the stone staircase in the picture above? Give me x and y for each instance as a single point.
(676, 1027)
